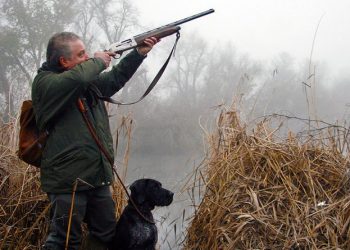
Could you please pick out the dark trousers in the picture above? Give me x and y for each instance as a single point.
(96, 207)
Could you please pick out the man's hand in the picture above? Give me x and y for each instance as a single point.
(149, 43)
(105, 56)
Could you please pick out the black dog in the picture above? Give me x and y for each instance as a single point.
(136, 228)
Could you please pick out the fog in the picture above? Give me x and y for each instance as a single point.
(267, 57)
(264, 29)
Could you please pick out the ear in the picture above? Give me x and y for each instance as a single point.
(138, 192)
(63, 62)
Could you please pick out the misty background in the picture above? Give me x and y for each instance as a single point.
(266, 57)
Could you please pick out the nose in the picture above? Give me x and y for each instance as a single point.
(171, 194)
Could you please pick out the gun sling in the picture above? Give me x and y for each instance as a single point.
(150, 87)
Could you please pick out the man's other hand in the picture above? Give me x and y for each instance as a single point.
(105, 56)
(149, 43)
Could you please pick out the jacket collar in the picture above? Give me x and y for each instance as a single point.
(46, 67)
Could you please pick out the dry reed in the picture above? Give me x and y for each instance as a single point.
(24, 208)
(264, 192)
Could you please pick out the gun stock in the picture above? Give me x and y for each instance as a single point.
(160, 32)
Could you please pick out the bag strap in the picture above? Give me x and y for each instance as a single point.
(150, 87)
(83, 110)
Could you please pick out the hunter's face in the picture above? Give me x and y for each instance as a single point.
(78, 55)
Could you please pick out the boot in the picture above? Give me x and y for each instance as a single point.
(92, 243)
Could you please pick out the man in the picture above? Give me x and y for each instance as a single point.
(71, 155)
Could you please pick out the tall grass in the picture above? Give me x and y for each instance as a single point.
(24, 208)
(265, 191)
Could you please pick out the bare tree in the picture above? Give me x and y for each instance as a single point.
(191, 59)
(114, 18)
(229, 76)
(26, 26)
(102, 22)
(84, 24)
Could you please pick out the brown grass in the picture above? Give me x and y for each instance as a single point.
(261, 190)
(264, 192)
(24, 208)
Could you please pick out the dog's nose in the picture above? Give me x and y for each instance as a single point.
(168, 197)
(171, 196)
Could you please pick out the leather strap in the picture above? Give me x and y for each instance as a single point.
(83, 109)
(150, 87)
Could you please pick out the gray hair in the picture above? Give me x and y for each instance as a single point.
(59, 46)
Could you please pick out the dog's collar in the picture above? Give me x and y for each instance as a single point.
(145, 214)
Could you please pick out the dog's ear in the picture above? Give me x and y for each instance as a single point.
(138, 192)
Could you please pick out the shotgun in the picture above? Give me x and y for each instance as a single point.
(158, 33)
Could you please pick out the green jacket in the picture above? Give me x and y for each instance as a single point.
(70, 151)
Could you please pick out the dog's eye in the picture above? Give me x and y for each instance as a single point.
(157, 186)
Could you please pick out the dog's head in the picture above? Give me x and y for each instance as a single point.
(149, 193)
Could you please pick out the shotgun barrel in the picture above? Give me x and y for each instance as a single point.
(179, 22)
(160, 32)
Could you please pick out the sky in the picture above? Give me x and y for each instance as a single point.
(262, 29)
